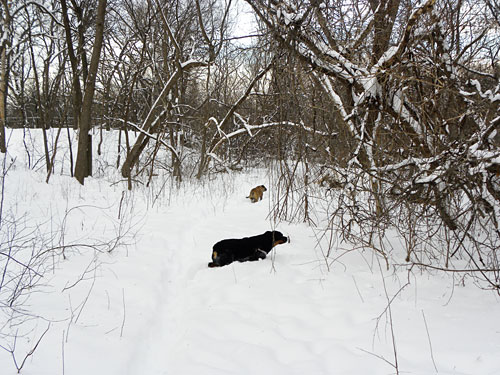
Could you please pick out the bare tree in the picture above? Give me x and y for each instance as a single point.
(83, 102)
(194, 51)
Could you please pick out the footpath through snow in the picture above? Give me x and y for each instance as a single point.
(154, 307)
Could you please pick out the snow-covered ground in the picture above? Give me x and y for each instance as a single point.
(154, 307)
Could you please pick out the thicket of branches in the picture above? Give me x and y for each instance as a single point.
(391, 105)
(415, 93)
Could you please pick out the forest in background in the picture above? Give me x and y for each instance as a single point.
(391, 105)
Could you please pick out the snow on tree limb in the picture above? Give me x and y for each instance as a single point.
(421, 9)
(151, 136)
(249, 128)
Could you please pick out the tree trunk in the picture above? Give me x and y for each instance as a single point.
(3, 100)
(83, 167)
(4, 71)
(77, 91)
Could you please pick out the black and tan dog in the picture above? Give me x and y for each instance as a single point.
(256, 193)
(245, 249)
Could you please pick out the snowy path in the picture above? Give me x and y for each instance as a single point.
(247, 318)
(158, 309)
(283, 315)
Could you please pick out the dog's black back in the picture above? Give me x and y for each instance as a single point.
(245, 249)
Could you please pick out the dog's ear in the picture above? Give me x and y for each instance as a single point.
(269, 235)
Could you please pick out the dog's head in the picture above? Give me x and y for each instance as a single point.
(277, 237)
(263, 188)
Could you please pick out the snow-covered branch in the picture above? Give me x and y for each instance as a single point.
(149, 135)
(249, 128)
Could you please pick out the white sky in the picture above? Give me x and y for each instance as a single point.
(245, 24)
